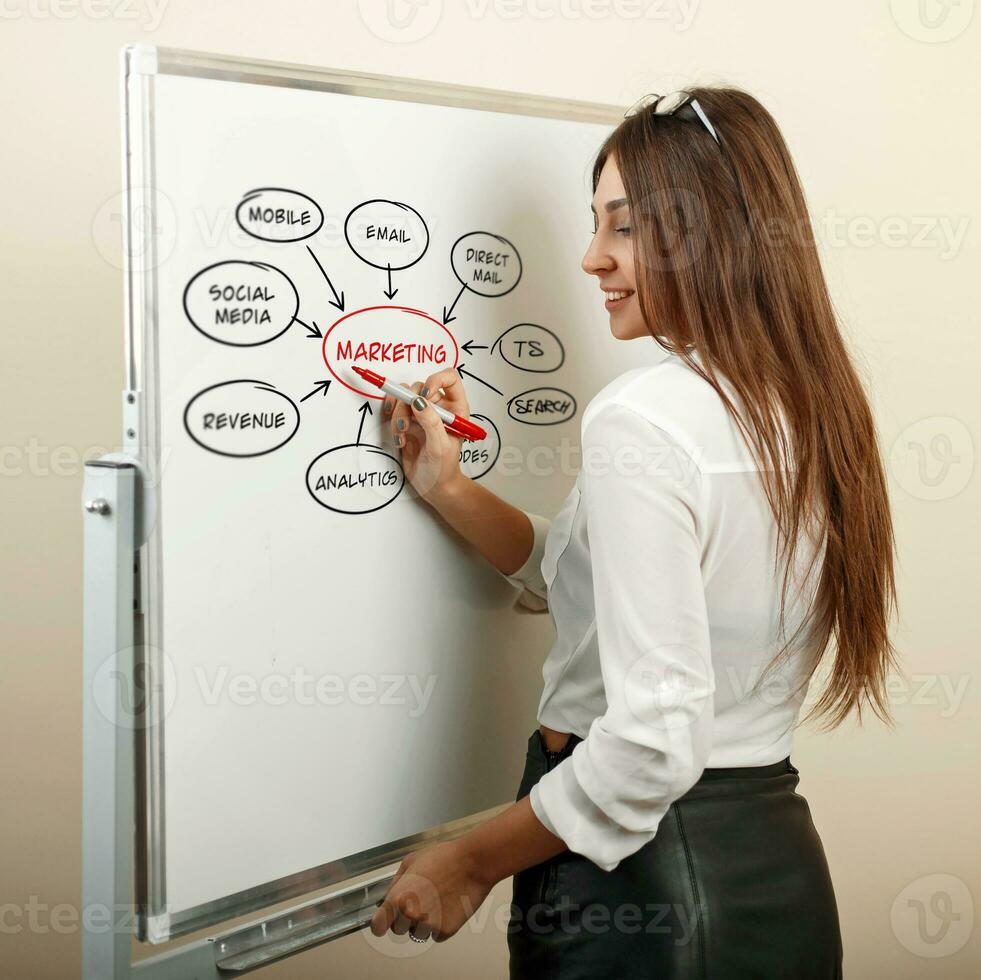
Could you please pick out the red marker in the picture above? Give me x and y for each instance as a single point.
(456, 425)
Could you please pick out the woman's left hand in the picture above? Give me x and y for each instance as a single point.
(434, 891)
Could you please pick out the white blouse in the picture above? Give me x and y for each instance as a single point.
(660, 576)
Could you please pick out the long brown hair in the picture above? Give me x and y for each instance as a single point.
(726, 264)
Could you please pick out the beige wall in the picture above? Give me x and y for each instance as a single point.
(879, 104)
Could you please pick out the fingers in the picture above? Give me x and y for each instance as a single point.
(385, 917)
(442, 385)
(398, 912)
(449, 381)
(401, 912)
(402, 924)
(441, 388)
(402, 416)
(432, 425)
(388, 912)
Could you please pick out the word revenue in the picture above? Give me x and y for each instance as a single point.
(237, 303)
(244, 420)
(391, 353)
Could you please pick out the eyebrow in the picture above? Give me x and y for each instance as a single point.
(611, 206)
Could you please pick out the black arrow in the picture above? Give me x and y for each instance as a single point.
(337, 301)
(321, 386)
(459, 368)
(365, 409)
(448, 313)
(314, 331)
(470, 347)
(390, 293)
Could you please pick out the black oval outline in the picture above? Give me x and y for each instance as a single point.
(575, 405)
(352, 445)
(260, 265)
(500, 238)
(398, 204)
(278, 241)
(518, 367)
(265, 387)
(474, 415)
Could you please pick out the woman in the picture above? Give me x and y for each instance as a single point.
(730, 522)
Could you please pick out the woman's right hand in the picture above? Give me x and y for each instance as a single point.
(430, 455)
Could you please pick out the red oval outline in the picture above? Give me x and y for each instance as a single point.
(371, 309)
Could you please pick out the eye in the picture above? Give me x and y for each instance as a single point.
(623, 230)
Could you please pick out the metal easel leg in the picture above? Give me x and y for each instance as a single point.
(109, 500)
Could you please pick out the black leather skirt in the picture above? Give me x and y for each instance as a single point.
(733, 886)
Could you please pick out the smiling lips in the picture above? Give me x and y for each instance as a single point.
(615, 298)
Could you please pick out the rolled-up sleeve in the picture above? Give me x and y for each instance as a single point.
(533, 595)
(644, 499)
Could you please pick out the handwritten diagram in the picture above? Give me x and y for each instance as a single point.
(249, 304)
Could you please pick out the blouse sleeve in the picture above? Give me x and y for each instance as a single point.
(534, 592)
(644, 509)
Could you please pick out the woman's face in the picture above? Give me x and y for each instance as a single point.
(610, 256)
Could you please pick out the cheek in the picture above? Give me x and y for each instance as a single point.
(625, 261)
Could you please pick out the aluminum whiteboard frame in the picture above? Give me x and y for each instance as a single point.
(141, 64)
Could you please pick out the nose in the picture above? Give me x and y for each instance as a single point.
(597, 260)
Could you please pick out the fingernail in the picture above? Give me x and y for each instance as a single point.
(400, 424)
(418, 403)
(397, 440)
(425, 391)
(387, 408)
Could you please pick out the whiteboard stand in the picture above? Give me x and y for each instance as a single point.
(172, 99)
(114, 683)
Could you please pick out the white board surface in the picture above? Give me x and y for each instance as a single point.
(340, 670)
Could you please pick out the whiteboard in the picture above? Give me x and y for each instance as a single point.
(337, 677)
